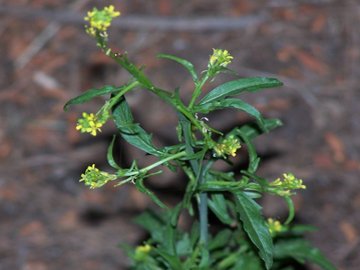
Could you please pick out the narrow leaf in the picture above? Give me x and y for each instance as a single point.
(152, 223)
(139, 183)
(220, 240)
(251, 130)
(301, 251)
(233, 103)
(237, 86)
(255, 227)
(291, 207)
(185, 63)
(217, 204)
(172, 260)
(92, 93)
(132, 132)
(110, 155)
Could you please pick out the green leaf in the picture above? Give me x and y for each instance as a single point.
(232, 103)
(218, 186)
(237, 86)
(220, 240)
(255, 226)
(172, 260)
(251, 130)
(291, 207)
(217, 204)
(248, 261)
(110, 156)
(152, 223)
(302, 251)
(183, 246)
(254, 160)
(132, 132)
(139, 183)
(185, 63)
(92, 93)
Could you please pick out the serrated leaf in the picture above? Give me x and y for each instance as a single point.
(255, 227)
(132, 132)
(302, 251)
(185, 63)
(232, 103)
(92, 93)
(237, 86)
(217, 204)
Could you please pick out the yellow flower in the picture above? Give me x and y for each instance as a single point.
(220, 58)
(89, 123)
(274, 226)
(95, 178)
(285, 186)
(100, 20)
(227, 147)
(141, 252)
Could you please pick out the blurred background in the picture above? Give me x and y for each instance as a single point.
(48, 220)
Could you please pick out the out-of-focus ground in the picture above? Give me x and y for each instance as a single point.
(50, 221)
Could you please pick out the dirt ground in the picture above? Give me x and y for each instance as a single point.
(48, 220)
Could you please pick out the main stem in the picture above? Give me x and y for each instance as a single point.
(203, 217)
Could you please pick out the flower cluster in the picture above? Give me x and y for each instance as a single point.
(285, 186)
(100, 20)
(141, 252)
(220, 58)
(95, 178)
(92, 123)
(274, 226)
(227, 147)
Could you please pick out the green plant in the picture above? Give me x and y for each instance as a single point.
(245, 239)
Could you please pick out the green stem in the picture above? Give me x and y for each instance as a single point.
(197, 90)
(203, 218)
(116, 98)
(148, 168)
(160, 162)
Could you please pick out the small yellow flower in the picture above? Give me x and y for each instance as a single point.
(227, 147)
(285, 186)
(89, 123)
(141, 252)
(220, 58)
(274, 226)
(100, 20)
(95, 178)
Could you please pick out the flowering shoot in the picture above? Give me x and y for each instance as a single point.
(287, 185)
(89, 123)
(220, 58)
(95, 178)
(100, 20)
(227, 147)
(274, 226)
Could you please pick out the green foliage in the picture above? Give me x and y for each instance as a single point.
(245, 239)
